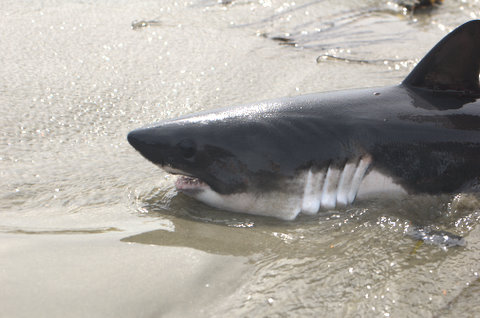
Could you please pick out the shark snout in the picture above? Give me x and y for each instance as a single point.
(147, 144)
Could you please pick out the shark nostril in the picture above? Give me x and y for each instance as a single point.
(187, 148)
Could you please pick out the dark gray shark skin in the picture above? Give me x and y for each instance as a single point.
(301, 154)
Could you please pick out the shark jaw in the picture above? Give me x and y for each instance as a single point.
(273, 203)
(309, 192)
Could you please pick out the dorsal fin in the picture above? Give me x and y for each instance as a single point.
(453, 64)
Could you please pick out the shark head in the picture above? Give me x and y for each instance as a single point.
(250, 159)
(209, 153)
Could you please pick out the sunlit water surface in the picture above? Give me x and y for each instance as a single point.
(89, 228)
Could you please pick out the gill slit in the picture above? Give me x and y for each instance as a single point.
(332, 186)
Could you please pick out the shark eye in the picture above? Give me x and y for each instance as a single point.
(187, 148)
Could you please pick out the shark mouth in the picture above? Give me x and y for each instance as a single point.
(186, 183)
(190, 184)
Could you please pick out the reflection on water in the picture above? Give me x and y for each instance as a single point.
(211, 238)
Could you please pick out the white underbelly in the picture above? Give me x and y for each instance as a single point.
(376, 184)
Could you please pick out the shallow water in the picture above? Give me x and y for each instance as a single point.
(89, 228)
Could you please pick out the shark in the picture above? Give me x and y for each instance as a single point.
(322, 151)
